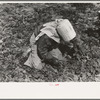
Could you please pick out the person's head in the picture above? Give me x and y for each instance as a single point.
(67, 43)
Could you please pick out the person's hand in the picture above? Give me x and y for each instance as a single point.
(69, 44)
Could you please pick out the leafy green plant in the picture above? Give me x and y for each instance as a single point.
(17, 24)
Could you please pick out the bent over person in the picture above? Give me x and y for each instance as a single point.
(48, 46)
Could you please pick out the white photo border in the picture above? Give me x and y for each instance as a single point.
(49, 90)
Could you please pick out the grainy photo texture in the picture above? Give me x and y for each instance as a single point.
(49, 42)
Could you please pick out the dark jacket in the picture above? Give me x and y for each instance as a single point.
(44, 46)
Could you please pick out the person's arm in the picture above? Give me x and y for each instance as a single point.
(77, 42)
(44, 45)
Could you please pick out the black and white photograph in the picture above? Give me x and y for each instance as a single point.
(50, 42)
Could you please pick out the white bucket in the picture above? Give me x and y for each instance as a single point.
(65, 30)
